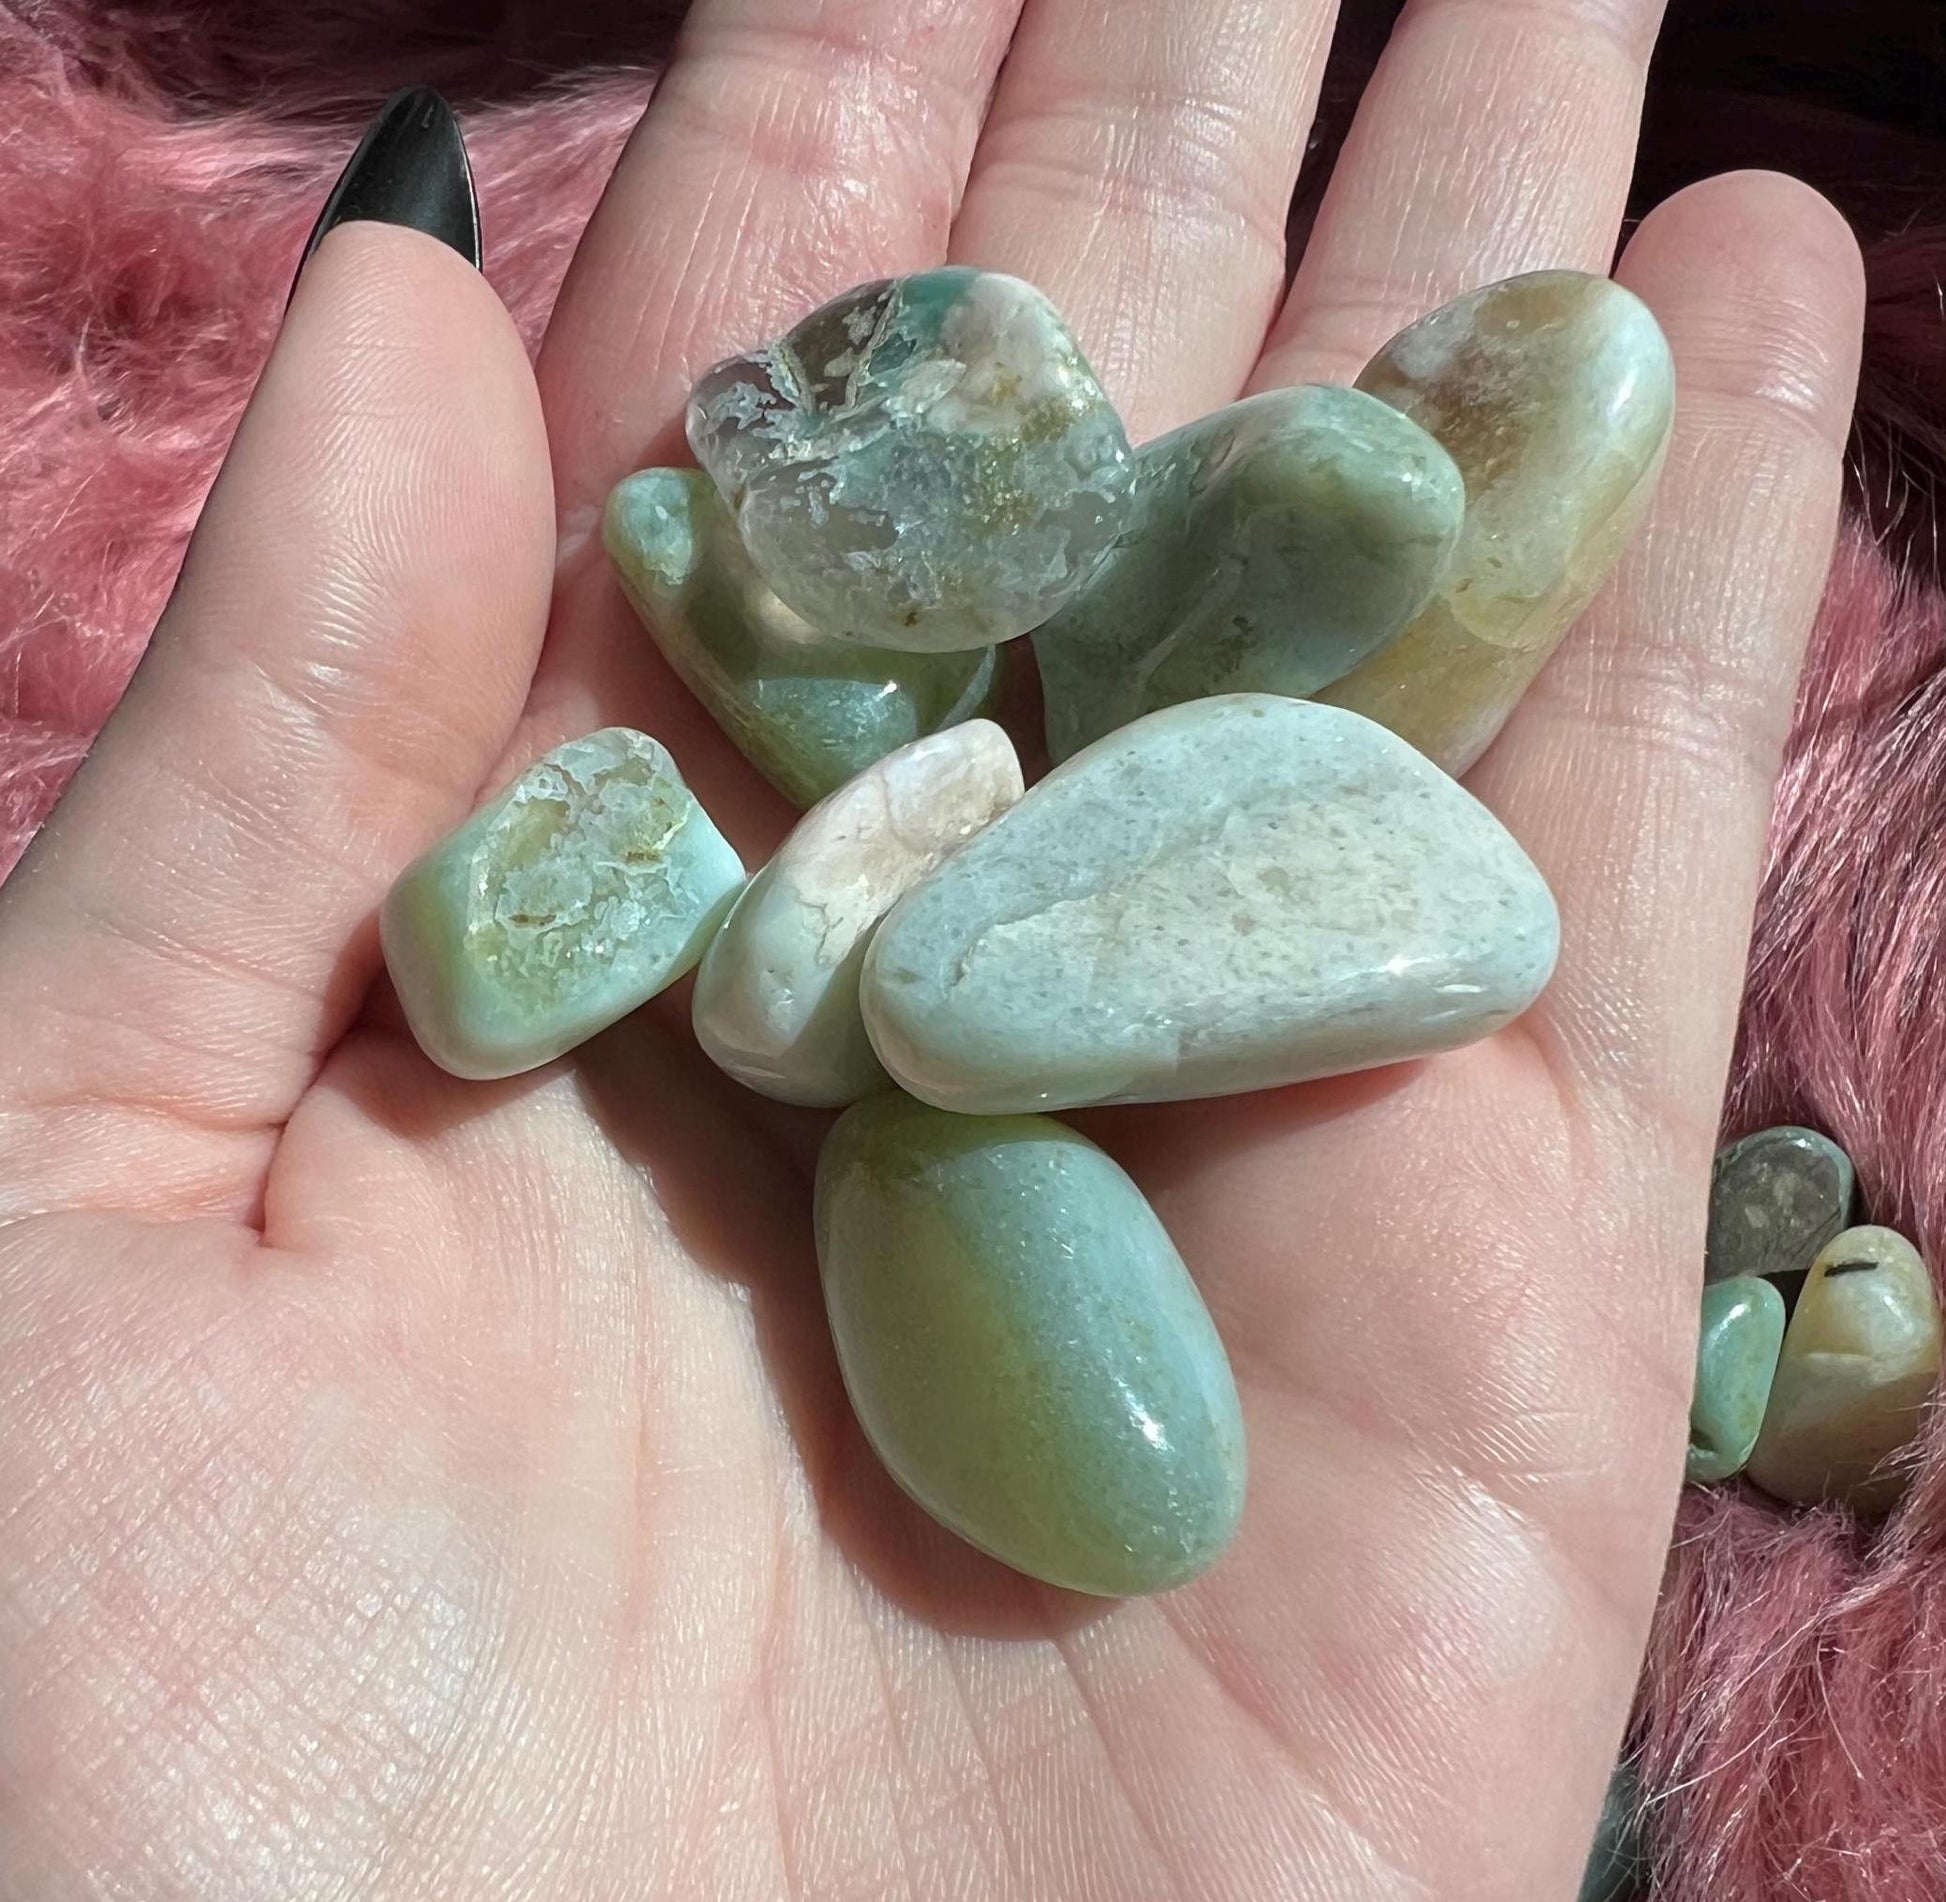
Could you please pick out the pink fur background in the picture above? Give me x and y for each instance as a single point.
(158, 170)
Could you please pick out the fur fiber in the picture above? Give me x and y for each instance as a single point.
(159, 167)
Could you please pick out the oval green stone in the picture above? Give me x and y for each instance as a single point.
(1736, 1361)
(1776, 1198)
(1268, 548)
(1024, 1347)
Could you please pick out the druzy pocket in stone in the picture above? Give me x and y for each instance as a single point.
(1270, 547)
(1024, 1347)
(590, 884)
(1554, 392)
(806, 710)
(926, 462)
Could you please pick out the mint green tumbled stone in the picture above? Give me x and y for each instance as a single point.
(808, 712)
(1024, 1347)
(593, 882)
(1736, 1361)
(1268, 549)
(926, 462)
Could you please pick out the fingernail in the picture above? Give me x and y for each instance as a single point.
(410, 169)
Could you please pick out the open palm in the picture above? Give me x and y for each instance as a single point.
(412, 1488)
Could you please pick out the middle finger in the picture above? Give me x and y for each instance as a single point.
(1137, 165)
(1496, 136)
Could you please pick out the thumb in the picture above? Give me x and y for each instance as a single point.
(347, 651)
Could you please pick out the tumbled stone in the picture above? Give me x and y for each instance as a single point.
(1776, 1198)
(1618, 1863)
(776, 1002)
(1860, 1362)
(1736, 1359)
(1554, 393)
(1227, 895)
(586, 887)
(925, 462)
(1024, 1348)
(807, 711)
(1269, 548)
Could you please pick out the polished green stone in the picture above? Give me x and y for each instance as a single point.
(1776, 1198)
(1554, 392)
(591, 883)
(925, 462)
(807, 711)
(1618, 1864)
(1024, 1347)
(1268, 549)
(1736, 1360)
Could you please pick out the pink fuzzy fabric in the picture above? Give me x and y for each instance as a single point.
(144, 261)
(158, 171)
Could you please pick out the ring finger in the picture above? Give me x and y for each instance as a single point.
(1496, 136)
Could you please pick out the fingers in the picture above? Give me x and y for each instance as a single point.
(1138, 166)
(344, 657)
(1496, 136)
(1639, 769)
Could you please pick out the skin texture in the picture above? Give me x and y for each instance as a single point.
(419, 1487)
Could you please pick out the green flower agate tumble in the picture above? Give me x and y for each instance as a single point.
(1555, 393)
(1776, 1198)
(1736, 1360)
(1024, 1348)
(926, 462)
(807, 711)
(1270, 548)
(590, 884)
(1232, 894)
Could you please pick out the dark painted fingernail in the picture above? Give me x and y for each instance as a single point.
(410, 169)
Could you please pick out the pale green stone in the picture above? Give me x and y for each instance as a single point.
(1555, 394)
(776, 1000)
(1269, 548)
(576, 895)
(1736, 1360)
(1024, 1347)
(926, 462)
(1231, 894)
(807, 711)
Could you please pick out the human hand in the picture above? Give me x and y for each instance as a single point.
(423, 1488)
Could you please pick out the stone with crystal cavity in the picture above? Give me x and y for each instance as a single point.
(1227, 895)
(776, 1002)
(1860, 1361)
(577, 894)
(1270, 547)
(1554, 392)
(926, 462)
(807, 711)
(1776, 1198)
(1736, 1360)
(1024, 1347)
